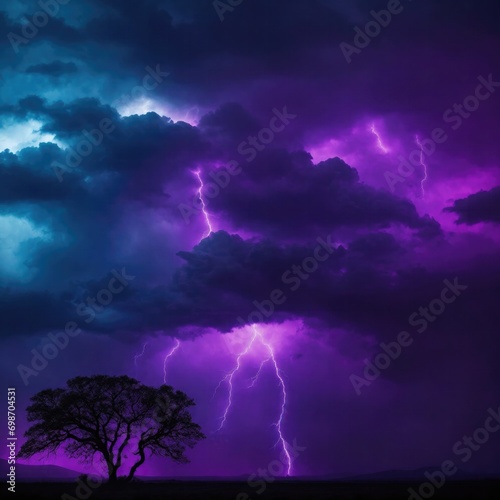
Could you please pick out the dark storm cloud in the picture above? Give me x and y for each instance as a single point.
(22, 34)
(55, 68)
(478, 207)
(31, 105)
(154, 148)
(220, 280)
(69, 119)
(64, 120)
(26, 177)
(285, 194)
(368, 288)
(227, 126)
(146, 149)
(224, 275)
(104, 202)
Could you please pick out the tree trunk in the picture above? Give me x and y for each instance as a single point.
(112, 473)
(136, 465)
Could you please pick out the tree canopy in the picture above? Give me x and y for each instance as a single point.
(112, 417)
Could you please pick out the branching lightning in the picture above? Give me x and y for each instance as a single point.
(229, 379)
(279, 422)
(137, 356)
(257, 375)
(203, 206)
(257, 335)
(169, 355)
(380, 144)
(424, 165)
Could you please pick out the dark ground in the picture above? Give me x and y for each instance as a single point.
(240, 490)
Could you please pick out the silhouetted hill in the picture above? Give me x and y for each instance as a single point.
(26, 472)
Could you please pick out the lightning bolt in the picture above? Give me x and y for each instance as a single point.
(197, 173)
(169, 355)
(203, 206)
(257, 375)
(424, 165)
(279, 422)
(380, 144)
(229, 379)
(137, 356)
(257, 335)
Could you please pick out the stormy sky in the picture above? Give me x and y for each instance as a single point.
(266, 166)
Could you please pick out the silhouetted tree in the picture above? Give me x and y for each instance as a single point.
(113, 418)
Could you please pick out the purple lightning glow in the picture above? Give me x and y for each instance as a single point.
(137, 356)
(203, 206)
(380, 144)
(424, 165)
(169, 355)
(229, 379)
